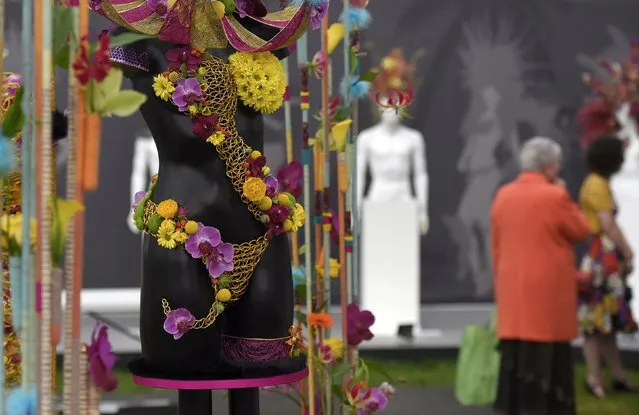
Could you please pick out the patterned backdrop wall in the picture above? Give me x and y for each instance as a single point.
(494, 74)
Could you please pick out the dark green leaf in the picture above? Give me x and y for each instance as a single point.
(127, 38)
(62, 27)
(379, 369)
(337, 390)
(300, 293)
(339, 371)
(14, 119)
(61, 58)
(342, 113)
(301, 317)
(352, 59)
(322, 307)
(369, 76)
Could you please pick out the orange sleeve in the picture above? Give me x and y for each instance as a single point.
(494, 238)
(572, 222)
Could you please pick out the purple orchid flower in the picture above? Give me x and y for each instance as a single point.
(178, 322)
(271, 185)
(290, 178)
(137, 198)
(101, 359)
(160, 7)
(374, 401)
(358, 324)
(207, 244)
(183, 56)
(95, 5)
(256, 166)
(203, 127)
(187, 92)
(250, 8)
(317, 13)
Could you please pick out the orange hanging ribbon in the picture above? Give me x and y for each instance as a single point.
(91, 167)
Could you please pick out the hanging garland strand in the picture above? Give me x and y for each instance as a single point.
(71, 384)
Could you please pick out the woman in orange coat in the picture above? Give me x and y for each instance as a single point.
(534, 226)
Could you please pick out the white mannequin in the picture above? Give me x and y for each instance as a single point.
(625, 187)
(145, 164)
(392, 221)
(389, 149)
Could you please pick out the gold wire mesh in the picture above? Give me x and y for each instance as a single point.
(221, 98)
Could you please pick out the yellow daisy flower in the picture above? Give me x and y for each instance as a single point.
(299, 217)
(216, 138)
(336, 345)
(162, 87)
(166, 234)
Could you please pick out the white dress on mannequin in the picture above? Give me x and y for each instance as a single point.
(392, 221)
(625, 188)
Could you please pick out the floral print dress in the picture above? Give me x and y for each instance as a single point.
(604, 296)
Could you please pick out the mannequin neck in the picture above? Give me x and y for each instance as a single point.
(390, 127)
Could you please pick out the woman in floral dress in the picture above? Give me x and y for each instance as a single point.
(604, 297)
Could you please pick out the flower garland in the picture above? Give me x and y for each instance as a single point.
(206, 89)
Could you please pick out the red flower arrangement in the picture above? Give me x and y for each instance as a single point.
(98, 66)
(598, 116)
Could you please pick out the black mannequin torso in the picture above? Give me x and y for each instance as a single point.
(192, 173)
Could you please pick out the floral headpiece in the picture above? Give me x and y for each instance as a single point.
(393, 86)
(620, 86)
(211, 24)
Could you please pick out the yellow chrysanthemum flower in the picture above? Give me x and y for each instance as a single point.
(163, 87)
(180, 237)
(192, 110)
(254, 189)
(336, 345)
(216, 138)
(167, 209)
(166, 234)
(333, 270)
(260, 80)
(299, 217)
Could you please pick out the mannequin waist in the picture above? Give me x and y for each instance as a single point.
(387, 190)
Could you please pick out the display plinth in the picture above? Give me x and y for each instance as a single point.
(194, 395)
(390, 279)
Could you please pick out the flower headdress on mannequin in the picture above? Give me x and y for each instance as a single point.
(393, 88)
(620, 88)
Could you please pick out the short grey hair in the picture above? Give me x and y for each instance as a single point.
(539, 152)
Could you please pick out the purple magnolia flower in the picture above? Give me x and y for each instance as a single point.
(358, 325)
(101, 359)
(290, 178)
(374, 400)
(187, 92)
(160, 7)
(183, 56)
(178, 322)
(319, 10)
(250, 8)
(137, 198)
(271, 184)
(207, 244)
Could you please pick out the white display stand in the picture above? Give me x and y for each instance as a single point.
(390, 277)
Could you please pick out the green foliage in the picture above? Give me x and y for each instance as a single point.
(14, 118)
(127, 38)
(62, 33)
(106, 99)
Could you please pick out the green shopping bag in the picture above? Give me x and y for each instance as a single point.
(478, 366)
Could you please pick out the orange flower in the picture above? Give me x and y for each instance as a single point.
(321, 320)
